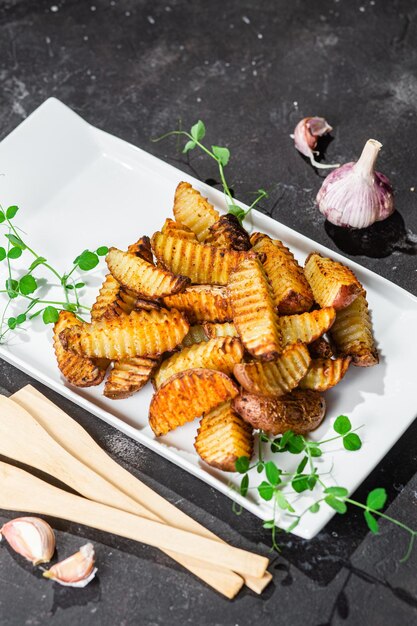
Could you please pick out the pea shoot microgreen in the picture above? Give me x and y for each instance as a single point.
(26, 288)
(282, 487)
(222, 156)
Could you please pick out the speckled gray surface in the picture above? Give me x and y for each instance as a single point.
(250, 69)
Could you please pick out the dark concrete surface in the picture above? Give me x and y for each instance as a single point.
(250, 69)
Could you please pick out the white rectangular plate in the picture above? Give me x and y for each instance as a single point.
(78, 187)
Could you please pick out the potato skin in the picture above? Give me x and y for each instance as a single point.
(300, 411)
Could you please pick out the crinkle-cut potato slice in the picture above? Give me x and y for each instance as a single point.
(306, 327)
(143, 278)
(78, 370)
(194, 211)
(219, 354)
(291, 291)
(196, 334)
(142, 249)
(142, 333)
(352, 334)
(254, 315)
(300, 411)
(320, 349)
(202, 263)
(324, 374)
(223, 437)
(108, 303)
(129, 376)
(171, 227)
(333, 284)
(275, 378)
(202, 303)
(227, 329)
(229, 233)
(186, 396)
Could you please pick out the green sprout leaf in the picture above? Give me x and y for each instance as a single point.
(260, 467)
(295, 444)
(334, 503)
(244, 485)
(69, 306)
(242, 464)
(302, 465)
(3, 254)
(190, 145)
(2, 217)
(21, 318)
(50, 315)
(315, 508)
(340, 492)
(11, 212)
(315, 451)
(342, 425)
(12, 323)
(102, 251)
(12, 287)
(293, 525)
(39, 261)
(266, 491)
(15, 241)
(371, 522)
(268, 524)
(198, 131)
(27, 285)
(221, 154)
(300, 483)
(78, 285)
(283, 502)
(87, 260)
(14, 253)
(272, 473)
(376, 499)
(352, 442)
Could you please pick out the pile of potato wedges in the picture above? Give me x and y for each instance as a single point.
(227, 326)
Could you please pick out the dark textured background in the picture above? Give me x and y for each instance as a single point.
(251, 70)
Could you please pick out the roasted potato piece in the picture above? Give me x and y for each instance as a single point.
(254, 315)
(275, 378)
(194, 211)
(188, 395)
(300, 411)
(320, 349)
(203, 264)
(291, 291)
(306, 327)
(143, 278)
(78, 370)
(216, 354)
(202, 303)
(220, 330)
(352, 334)
(142, 333)
(176, 229)
(223, 437)
(142, 249)
(332, 283)
(324, 374)
(108, 303)
(196, 334)
(129, 376)
(228, 233)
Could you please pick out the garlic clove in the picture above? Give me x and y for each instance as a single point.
(75, 571)
(355, 195)
(306, 135)
(31, 537)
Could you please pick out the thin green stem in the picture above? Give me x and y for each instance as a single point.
(37, 256)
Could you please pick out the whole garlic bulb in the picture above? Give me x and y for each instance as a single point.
(31, 537)
(355, 195)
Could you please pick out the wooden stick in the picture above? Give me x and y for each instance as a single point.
(72, 436)
(20, 491)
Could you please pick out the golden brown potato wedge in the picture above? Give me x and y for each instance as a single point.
(194, 211)
(332, 283)
(78, 370)
(143, 278)
(171, 227)
(202, 303)
(291, 291)
(220, 354)
(223, 437)
(228, 233)
(142, 333)
(203, 264)
(306, 327)
(300, 411)
(142, 248)
(275, 378)
(196, 334)
(186, 396)
(108, 303)
(324, 374)
(352, 334)
(129, 376)
(253, 310)
(320, 349)
(220, 330)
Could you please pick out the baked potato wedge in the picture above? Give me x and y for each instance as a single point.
(290, 289)
(219, 354)
(108, 303)
(352, 334)
(202, 303)
(227, 329)
(300, 411)
(171, 227)
(76, 369)
(142, 278)
(129, 376)
(142, 333)
(202, 263)
(306, 327)
(142, 249)
(253, 310)
(324, 374)
(194, 211)
(196, 334)
(223, 437)
(333, 284)
(275, 378)
(228, 233)
(321, 349)
(188, 395)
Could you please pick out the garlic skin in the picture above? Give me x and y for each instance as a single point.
(355, 195)
(75, 571)
(31, 537)
(306, 135)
